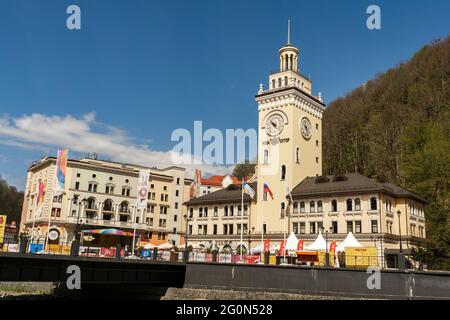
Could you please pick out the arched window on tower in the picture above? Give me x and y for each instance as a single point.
(283, 172)
(285, 81)
(283, 207)
(273, 83)
(266, 156)
(279, 82)
(297, 155)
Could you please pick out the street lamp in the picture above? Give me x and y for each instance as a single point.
(401, 258)
(76, 242)
(186, 254)
(327, 258)
(400, 230)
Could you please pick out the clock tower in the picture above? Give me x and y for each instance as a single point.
(289, 136)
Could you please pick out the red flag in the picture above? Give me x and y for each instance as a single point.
(333, 246)
(300, 245)
(282, 246)
(267, 245)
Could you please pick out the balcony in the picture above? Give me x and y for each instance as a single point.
(106, 223)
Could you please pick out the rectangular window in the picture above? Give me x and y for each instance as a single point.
(334, 227)
(177, 193)
(231, 229)
(162, 197)
(175, 218)
(302, 228)
(264, 228)
(374, 226)
(358, 227)
(215, 229)
(190, 229)
(225, 229)
(77, 185)
(176, 205)
(312, 227)
(319, 227)
(349, 226)
(178, 180)
(295, 228)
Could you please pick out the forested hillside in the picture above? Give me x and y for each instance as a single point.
(396, 128)
(11, 202)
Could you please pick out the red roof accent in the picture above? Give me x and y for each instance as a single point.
(217, 181)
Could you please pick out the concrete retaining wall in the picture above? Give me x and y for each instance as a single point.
(320, 281)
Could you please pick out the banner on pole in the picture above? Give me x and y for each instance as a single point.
(142, 189)
(300, 245)
(282, 248)
(61, 167)
(267, 245)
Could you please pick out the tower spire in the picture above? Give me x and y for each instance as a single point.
(289, 32)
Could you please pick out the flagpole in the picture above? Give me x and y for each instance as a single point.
(50, 213)
(134, 231)
(242, 216)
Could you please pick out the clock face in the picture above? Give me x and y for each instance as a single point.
(305, 128)
(274, 125)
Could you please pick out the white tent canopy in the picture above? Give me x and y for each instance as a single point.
(149, 246)
(291, 242)
(349, 242)
(318, 244)
(165, 246)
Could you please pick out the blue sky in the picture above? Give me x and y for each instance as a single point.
(137, 70)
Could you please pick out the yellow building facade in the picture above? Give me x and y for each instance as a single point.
(380, 215)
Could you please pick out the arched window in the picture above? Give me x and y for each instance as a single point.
(297, 155)
(283, 206)
(312, 206)
(216, 211)
(279, 82)
(191, 212)
(266, 156)
(373, 203)
(239, 210)
(302, 206)
(108, 205)
(200, 212)
(206, 211)
(245, 210)
(285, 80)
(283, 172)
(124, 207)
(349, 205)
(273, 83)
(231, 210)
(295, 207)
(357, 204)
(319, 206)
(225, 211)
(334, 205)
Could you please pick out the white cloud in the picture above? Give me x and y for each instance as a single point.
(85, 134)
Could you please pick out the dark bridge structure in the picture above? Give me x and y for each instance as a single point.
(101, 278)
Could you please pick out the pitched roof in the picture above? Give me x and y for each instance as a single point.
(217, 180)
(348, 183)
(231, 193)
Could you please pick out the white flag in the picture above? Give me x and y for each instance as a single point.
(142, 189)
(248, 190)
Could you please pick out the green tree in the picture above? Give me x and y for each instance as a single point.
(11, 202)
(243, 170)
